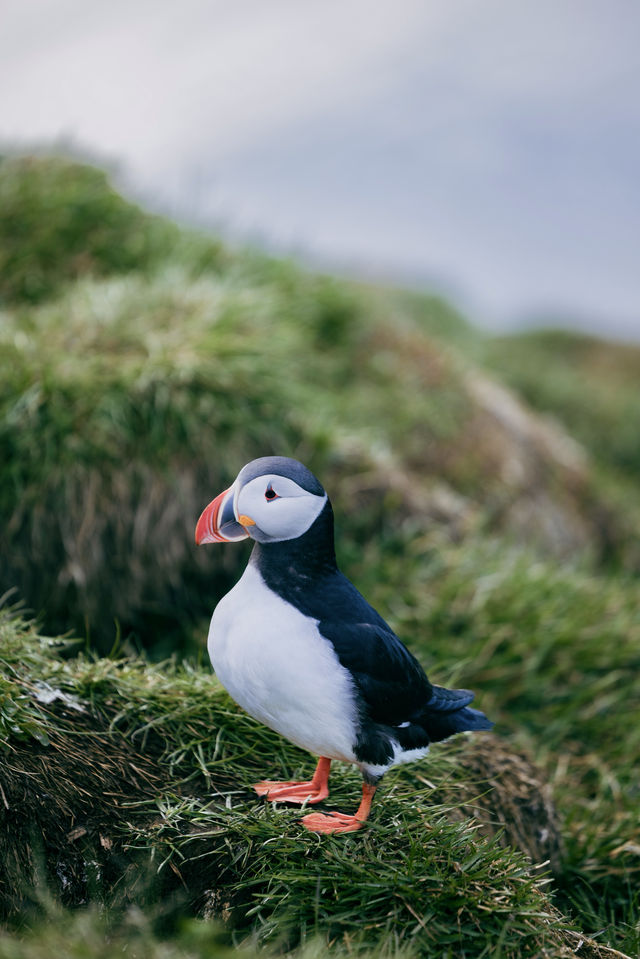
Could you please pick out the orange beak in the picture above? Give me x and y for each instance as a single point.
(218, 524)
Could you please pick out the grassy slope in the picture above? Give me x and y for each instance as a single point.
(60, 221)
(127, 403)
(114, 388)
(418, 878)
(591, 387)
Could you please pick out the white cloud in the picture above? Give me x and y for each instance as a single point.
(139, 77)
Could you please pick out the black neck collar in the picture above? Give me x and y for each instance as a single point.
(310, 555)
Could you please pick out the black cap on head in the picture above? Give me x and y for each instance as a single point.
(282, 466)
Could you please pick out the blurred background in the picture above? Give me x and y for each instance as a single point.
(489, 151)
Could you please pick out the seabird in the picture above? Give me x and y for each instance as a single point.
(300, 649)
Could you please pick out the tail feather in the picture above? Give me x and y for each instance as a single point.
(445, 700)
(469, 719)
(447, 713)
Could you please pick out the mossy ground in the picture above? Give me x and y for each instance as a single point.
(193, 839)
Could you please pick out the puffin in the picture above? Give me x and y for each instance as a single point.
(300, 649)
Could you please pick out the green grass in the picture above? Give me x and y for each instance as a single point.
(588, 384)
(591, 387)
(90, 934)
(127, 403)
(61, 220)
(415, 878)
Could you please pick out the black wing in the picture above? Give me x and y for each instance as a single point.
(391, 682)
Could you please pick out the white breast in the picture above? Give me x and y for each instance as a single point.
(281, 670)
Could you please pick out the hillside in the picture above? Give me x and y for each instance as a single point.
(501, 544)
(126, 401)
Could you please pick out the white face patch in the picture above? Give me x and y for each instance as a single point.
(278, 506)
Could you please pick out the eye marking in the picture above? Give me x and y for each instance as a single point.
(270, 493)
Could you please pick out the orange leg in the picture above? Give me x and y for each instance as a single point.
(310, 792)
(338, 821)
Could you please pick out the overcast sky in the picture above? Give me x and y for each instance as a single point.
(489, 146)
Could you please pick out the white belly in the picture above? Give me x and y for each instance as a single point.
(277, 666)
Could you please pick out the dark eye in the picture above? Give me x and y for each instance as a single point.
(270, 493)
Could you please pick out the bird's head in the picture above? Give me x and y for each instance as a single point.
(273, 499)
